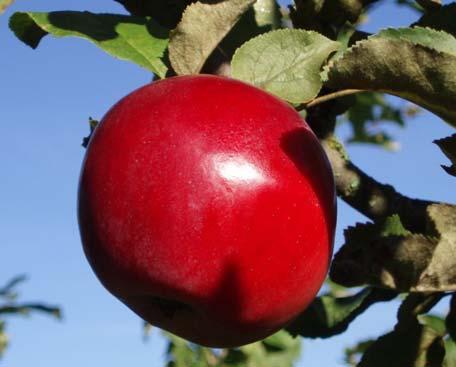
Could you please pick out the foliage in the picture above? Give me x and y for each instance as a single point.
(279, 350)
(368, 114)
(400, 260)
(199, 32)
(414, 78)
(10, 307)
(135, 39)
(303, 53)
(314, 56)
(330, 315)
(448, 146)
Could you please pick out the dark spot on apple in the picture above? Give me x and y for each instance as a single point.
(169, 307)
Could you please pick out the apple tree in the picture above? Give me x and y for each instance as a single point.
(313, 56)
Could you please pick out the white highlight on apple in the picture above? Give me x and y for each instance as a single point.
(237, 169)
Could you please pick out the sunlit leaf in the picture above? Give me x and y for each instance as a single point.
(434, 322)
(413, 63)
(279, 350)
(136, 39)
(450, 353)
(199, 32)
(433, 39)
(267, 13)
(3, 338)
(284, 62)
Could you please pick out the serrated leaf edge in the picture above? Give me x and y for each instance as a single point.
(359, 44)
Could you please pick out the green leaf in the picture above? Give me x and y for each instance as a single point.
(180, 352)
(416, 346)
(26, 308)
(199, 32)
(450, 353)
(431, 38)
(430, 5)
(415, 305)
(146, 330)
(235, 358)
(3, 338)
(278, 350)
(413, 63)
(441, 19)
(7, 291)
(328, 315)
(325, 16)
(12, 308)
(411, 343)
(262, 17)
(166, 12)
(284, 62)
(392, 226)
(448, 147)
(400, 261)
(450, 320)
(366, 115)
(139, 40)
(267, 14)
(353, 354)
(435, 322)
(411, 4)
(336, 290)
(279, 341)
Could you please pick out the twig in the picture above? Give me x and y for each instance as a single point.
(330, 96)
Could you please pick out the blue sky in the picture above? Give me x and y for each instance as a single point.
(47, 96)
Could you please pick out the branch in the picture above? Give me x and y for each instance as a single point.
(373, 199)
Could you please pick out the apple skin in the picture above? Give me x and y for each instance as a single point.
(207, 206)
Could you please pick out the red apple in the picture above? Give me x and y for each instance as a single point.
(207, 206)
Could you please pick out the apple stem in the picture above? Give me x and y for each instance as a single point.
(330, 96)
